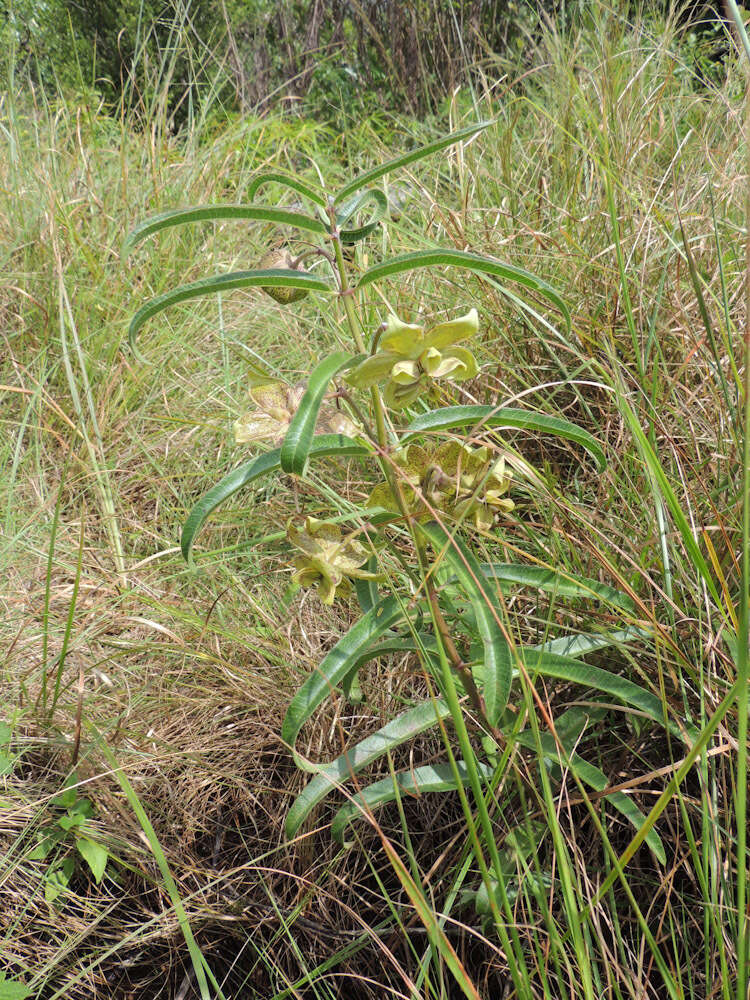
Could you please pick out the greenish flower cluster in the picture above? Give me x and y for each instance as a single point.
(467, 484)
(328, 559)
(276, 404)
(410, 359)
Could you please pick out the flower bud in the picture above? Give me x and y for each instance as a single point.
(281, 258)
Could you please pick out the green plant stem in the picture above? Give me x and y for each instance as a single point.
(743, 673)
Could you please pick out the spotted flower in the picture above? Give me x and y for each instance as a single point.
(275, 405)
(464, 483)
(328, 559)
(410, 358)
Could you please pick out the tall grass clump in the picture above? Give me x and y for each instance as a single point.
(509, 759)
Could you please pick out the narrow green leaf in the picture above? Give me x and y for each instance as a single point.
(595, 778)
(469, 262)
(299, 437)
(94, 855)
(249, 472)
(450, 417)
(334, 667)
(353, 206)
(658, 475)
(268, 278)
(212, 213)
(286, 180)
(568, 669)
(418, 781)
(331, 776)
(411, 157)
(555, 582)
(497, 663)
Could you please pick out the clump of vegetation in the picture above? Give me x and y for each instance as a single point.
(504, 751)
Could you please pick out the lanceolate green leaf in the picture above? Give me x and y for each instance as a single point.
(431, 778)
(299, 437)
(468, 262)
(331, 776)
(267, 278)
(497, 663)
(249, 472)
(354, 205)
(592, 776)
(566, 668)
(558, 583)
(451, 417)
(212, 213)
(334, 667)
(285, 180)
(406, 158)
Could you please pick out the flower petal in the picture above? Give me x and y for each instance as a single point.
(257, 426)
(467, 367)
(397, 397)
(455, 330)
(405, 373)
(372, 370)
(401, 338)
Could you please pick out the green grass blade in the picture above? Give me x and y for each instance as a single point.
(265, 278)
(322, 446)
(299, 437)
(212, 213)
(497, 662)
(275, 177)
(196, 957)
(468, 262)
(332, 669)
(330, 776)
(451, 417)
(411, 157)
(430, 778)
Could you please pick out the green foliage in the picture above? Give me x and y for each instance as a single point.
(437, 506)
(65, 834)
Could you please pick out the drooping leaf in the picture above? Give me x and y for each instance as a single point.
(451, 417)
(265, 278)
(468, 262)
(556, 582)
(339, 662)
(330, 776)
(574, 671)
(94, 855)
(595, 778)
(497, 662)
(353, 205)
(298, 441)
(406, 158)
(212, 213)
(418, 781)
(285, 180)
(249, 472)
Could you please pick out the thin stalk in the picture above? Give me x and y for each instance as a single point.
(743, 673)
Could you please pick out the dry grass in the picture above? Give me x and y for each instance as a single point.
(186, 673)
